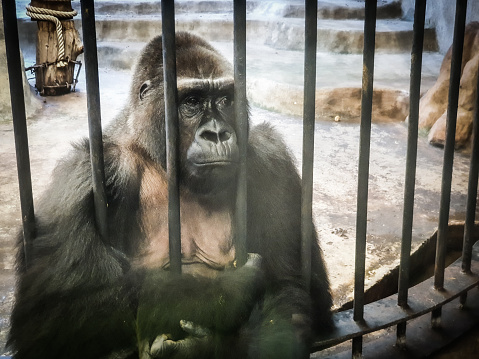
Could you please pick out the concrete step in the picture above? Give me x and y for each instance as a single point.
(337, 36)
(327, 9)
(286, 66)
(341, 9)
(332, 9)
(279, 24)
(275, 50)
(275, 78)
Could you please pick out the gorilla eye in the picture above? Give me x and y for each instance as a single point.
(192, 101)
(224, 101)
(191, 105)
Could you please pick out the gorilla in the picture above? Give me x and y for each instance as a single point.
(84, 296)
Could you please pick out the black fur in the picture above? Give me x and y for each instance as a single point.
(83, 296)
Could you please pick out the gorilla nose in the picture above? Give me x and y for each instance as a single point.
(215, 136)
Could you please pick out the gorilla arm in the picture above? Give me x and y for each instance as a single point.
(190, 313)
(72, 301)
(274, 231)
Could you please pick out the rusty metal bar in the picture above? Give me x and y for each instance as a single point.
(311, 31)
(172, 132)
(455, 78)
(472, 190)
(411, 159)
(363, 173)
(423, 298)
(15, 70)
(241, 119)
(94, 115)
(423, 340)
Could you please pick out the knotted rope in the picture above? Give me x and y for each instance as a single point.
(38, 13)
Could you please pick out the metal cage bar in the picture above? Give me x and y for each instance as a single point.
(423, 299)
(241, 119)
(311, 35)
(411, 159)
(455, 78)
(94, 115)
(172, 133)
(363, 172)
(14, 65)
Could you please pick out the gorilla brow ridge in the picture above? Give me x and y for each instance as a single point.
(207, 85)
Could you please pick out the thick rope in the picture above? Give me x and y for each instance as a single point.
(38, 13)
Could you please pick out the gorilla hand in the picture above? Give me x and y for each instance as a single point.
(254, 260)
(198, 337)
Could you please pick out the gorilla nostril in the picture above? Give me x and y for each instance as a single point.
(224, 136)
(215, 137)
(210, 136)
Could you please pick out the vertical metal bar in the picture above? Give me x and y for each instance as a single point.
(15, 71)
(363, 173)
(311, 34)
(94, 115)
(455, 78)
(241, 116)
(172, 132)
(472, 190)
(411, 159)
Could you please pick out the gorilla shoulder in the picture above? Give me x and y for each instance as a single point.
(269, 147)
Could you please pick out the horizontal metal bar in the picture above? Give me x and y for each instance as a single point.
(423, 340)
(423, 298)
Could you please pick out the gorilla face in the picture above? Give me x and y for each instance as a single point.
(209, 151)
(208, 146)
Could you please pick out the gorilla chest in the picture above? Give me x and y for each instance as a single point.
(206, 236)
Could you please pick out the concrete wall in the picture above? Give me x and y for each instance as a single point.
(440, 14)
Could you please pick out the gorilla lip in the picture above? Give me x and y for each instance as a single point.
(214, 163)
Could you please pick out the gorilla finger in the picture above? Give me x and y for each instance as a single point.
(254, 260)
(194, 330)
(190, 346)
(162, 347)
(184, 348)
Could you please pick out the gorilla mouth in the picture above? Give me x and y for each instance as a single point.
(214, 163)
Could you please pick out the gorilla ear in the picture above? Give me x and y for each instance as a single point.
(144, 89)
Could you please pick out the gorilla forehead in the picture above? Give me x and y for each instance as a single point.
(198, 62)
(208, 85)
(195, 59)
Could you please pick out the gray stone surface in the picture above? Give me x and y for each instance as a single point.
(440, 15)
